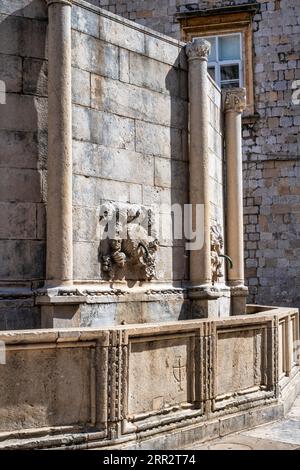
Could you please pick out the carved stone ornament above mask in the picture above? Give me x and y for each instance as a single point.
(216, 247)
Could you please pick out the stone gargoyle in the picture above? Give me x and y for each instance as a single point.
(128, 243)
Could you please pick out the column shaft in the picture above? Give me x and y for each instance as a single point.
(234, 105)
(59, 201)
(197, 51)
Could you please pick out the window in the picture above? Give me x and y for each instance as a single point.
(225, 60)
(229, 30)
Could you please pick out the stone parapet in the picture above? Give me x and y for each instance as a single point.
(97, 386)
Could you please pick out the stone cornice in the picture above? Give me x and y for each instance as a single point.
(198, 49)
(234, 99)
(62, 2)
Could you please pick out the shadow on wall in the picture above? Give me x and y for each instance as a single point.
(23, 144)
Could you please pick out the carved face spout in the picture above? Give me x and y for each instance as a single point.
(133, 248)
(116, 244)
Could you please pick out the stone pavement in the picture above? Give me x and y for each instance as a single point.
(279, 435)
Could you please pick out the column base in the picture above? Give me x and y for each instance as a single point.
(60, 306)
(209, 301)
(238, 299)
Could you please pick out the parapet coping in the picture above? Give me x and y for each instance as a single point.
(119, 19)
(78, 334)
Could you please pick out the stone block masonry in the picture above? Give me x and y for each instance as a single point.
(272, 227)
(270, 142)
(23, 137)
(130, 123)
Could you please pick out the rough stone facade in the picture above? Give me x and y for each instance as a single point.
(271, 139)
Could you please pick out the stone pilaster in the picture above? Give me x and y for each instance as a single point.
(59, 264)
(234, 103)
(59, 270)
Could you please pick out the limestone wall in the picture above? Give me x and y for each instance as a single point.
(130, 144)
(23, 155)
(130, 119)
(271, 139)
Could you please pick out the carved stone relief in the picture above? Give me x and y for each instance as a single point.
(128, 243)
(217, 244)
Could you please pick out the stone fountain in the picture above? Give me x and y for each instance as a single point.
(146, 340)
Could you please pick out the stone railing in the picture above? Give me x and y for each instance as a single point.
(185, 381)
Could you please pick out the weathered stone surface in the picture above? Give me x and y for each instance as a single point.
(153, 139)
(85, 21)
(137, 103)
(123, 165)
(172, 263)
(81, 87)
(11, 72)
(26, 8)
(243, 353)
(85, 224)
(22, 36)
(87, 158)
(114, 313)
(169, 173)
(19, 317)
(135, 194)
(35, 77)
(120, 34)
(22, 259)
(20, 185)
(86, 263)
(41, 221)
(18, 220)
(45, 386)
(23, 113)
(154, 75)
(103, 128)
(273, 140)
(21, 149)
(90, 191)
(168, 355)
(124, 65)
(93, 55)
(159, 196)
(168, 364)
(162, 51)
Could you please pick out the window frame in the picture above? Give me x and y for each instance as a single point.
(214, 23)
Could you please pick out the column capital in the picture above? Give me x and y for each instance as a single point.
(198, 48)
(234, 99)
(62, 2)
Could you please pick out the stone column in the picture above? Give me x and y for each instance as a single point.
(234, 104)
(197, 53)
(205, 298)
(59, 200)
(58, 309)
